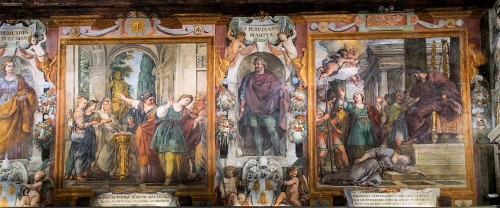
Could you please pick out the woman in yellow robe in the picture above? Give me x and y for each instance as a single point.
(18, 103)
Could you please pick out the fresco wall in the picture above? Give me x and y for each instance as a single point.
(245, 113)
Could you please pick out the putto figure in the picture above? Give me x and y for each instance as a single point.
(33, 198)
(286, 44)
(292, 195)
(237, 44)
(228, 186)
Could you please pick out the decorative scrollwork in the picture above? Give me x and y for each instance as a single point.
(324, 27)
(137, 24)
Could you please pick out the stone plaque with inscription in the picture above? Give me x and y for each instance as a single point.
(386, 198)
(135, 200)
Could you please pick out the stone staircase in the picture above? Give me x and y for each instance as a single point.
(439, 161)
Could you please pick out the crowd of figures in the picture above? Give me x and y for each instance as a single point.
(362, 140)
(168, 146)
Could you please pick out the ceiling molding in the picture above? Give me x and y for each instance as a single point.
(110, 9)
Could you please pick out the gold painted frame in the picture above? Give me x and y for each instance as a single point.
(458, 201)
(320, 190)
(67, 194)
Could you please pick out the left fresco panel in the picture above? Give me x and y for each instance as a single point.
(27, 111)
(131, 119)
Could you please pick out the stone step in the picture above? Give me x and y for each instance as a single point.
(439, 161)
(435, 154)
(441, 169)
(396, 176)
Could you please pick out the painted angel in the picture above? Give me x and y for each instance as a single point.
(296, 189)
(237, 45)
(285, 46)
(38, 51)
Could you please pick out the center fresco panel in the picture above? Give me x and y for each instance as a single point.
(261, 125)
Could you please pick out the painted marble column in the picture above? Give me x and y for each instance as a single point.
(98, 82)
(98, 75)
(383, 87)
(403, 80)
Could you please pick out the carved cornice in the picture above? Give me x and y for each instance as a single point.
(450, 14)
(66, 21)
(138, 23)
(224, 20)
(201, 18)
(86, 20)
(329, 17)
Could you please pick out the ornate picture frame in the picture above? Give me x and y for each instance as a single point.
(377, 64)
(171, 63)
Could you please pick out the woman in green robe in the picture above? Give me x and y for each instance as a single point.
(361, 134)
(168, 139)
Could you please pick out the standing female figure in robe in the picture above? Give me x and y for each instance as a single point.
(149, 162)
(83, 140)
(18, 103)
(105, 155)
(169, 139)
(361, 135)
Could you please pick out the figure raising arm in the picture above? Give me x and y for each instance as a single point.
(286, 45)
(36, 48)
(237, 44)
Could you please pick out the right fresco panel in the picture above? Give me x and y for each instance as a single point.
(390, 113)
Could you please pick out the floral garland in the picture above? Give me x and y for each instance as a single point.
(225, 127)
(47, 104)
(297, 130)
(225, 130)
(43, 135)
(226, 100)
(298, 101)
